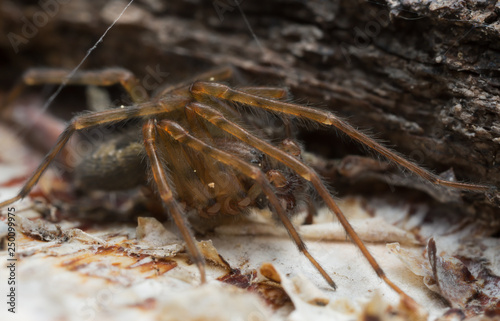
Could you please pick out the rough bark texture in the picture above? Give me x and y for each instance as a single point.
(423, 75)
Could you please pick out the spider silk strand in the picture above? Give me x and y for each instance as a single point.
(73, 72)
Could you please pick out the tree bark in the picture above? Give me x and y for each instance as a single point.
(422, 75)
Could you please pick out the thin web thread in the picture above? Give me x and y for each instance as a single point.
(254, 36)
(247, 23)
(72, 73)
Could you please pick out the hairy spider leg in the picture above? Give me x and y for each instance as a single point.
(97, 118)
(301, 169)
(218, 74)
(268, 92)
(181, 135)
(166, 195)
(329, 119)
(105, 77)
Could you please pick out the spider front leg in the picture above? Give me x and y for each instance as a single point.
(165, 193)
(90, 120)
(327, 118)
(181, 135)
(217, 119)
(218, 74)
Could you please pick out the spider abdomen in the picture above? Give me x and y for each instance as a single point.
(116, 164)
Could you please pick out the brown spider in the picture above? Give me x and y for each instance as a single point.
(200, 155)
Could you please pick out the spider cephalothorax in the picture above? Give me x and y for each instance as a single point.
(204, 145)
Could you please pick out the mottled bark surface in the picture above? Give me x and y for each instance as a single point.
(423, 75)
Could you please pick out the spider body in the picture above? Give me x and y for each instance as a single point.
(212, 148)
(115, 164)
(200, 182)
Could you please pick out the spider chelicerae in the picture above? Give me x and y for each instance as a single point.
(204, 146)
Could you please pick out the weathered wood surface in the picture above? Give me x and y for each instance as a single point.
(423, 75)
